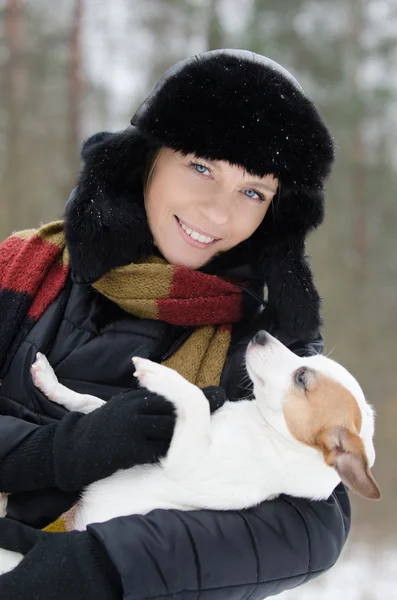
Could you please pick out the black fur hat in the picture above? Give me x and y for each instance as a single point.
(230, 105)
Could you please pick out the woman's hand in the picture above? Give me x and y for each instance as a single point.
(66, 566)
(132, 428)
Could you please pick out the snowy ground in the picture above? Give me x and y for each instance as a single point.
(362, 573)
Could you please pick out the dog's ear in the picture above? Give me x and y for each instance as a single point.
(105, 217)
(344, 450)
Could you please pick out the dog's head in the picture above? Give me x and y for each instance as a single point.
(320, 404)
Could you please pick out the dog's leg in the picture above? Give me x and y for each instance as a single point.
(45, 379)
(192, 432)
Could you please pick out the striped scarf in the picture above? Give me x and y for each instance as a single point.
(34, 266)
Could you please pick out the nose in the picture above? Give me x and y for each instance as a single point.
(217, 209)
(260, 338)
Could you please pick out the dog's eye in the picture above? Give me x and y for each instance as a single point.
(301, 377)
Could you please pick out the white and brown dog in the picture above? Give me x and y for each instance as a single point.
(308, 428)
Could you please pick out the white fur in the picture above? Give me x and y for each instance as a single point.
(238, 457)
(9, 560)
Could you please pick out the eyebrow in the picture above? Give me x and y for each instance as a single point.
(253, 182)
(259, 184)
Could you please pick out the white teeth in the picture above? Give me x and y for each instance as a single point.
(204, 239)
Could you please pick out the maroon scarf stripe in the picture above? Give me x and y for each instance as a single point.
(49, 290)
(30, 279)
(200, 299)
(200, 311)
(194, 284)
(24, 263)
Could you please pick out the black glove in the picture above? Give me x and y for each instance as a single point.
(132, 428)
(66, 566)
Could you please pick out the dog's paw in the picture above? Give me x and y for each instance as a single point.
(44, 377)
(160, 379)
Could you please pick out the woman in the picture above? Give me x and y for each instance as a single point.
(172, 231)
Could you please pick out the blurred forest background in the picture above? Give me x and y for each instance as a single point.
(73, 67)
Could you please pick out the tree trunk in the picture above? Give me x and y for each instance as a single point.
(75, 89)
(16, 92)
(358, 171)
(214, 28)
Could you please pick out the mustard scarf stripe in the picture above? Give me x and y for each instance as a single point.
(152, 289)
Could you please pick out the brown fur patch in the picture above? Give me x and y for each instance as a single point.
(325, 406)
(326, 416)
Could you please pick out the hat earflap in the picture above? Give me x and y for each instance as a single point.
(291, 289)
(105, 217)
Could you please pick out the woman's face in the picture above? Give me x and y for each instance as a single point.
(197, 208)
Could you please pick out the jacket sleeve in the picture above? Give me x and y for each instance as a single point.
(12, 432)
(233, 555)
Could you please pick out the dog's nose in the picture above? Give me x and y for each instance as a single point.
(260, 338)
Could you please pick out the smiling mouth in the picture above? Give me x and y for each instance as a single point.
(197, 236)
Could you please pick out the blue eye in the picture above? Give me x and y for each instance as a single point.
(253, 194)
(199, 168)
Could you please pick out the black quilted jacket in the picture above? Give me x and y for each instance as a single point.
(233, 555)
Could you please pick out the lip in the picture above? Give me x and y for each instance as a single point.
(189, 240)
(200, 231)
